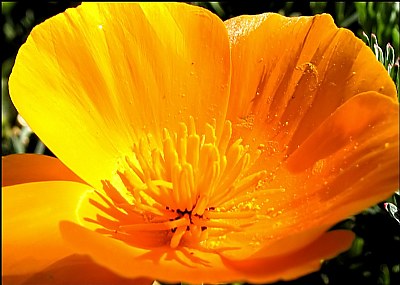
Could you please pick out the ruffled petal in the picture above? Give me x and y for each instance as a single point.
(93, 80)
(354, 163)
(365, 119)
(30, 214)
(346, 165)
(26, 168)
(289, 74)
(294, 79)
(268, 239)
(73, 269)
(349, 163)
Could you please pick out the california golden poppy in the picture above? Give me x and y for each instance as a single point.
(191, 149)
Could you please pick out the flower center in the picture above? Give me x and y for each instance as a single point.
(185, 188)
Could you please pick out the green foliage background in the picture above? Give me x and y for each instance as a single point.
(374, 257)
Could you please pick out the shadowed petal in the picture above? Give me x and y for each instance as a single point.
(25, 168)
(74, 269)
(163, 263)
(30, 214)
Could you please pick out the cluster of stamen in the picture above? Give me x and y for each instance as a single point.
(179, 188)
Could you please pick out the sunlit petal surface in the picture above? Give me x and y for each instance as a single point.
(103, 76)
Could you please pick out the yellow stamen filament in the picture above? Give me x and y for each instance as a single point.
(185, 185)
(176, 238)
(156, 226)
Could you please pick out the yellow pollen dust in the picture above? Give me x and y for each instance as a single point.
(182, 186)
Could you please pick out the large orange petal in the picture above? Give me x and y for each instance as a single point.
(341, 169)
(25, 168)
(350, 163)
(30, 215)
(163, 263)
(295, 264)
(93, 80)
(73, 269)
(289, 74)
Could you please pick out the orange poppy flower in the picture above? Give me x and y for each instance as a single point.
(195, 150)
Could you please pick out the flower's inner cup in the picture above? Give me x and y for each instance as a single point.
(196, 187)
